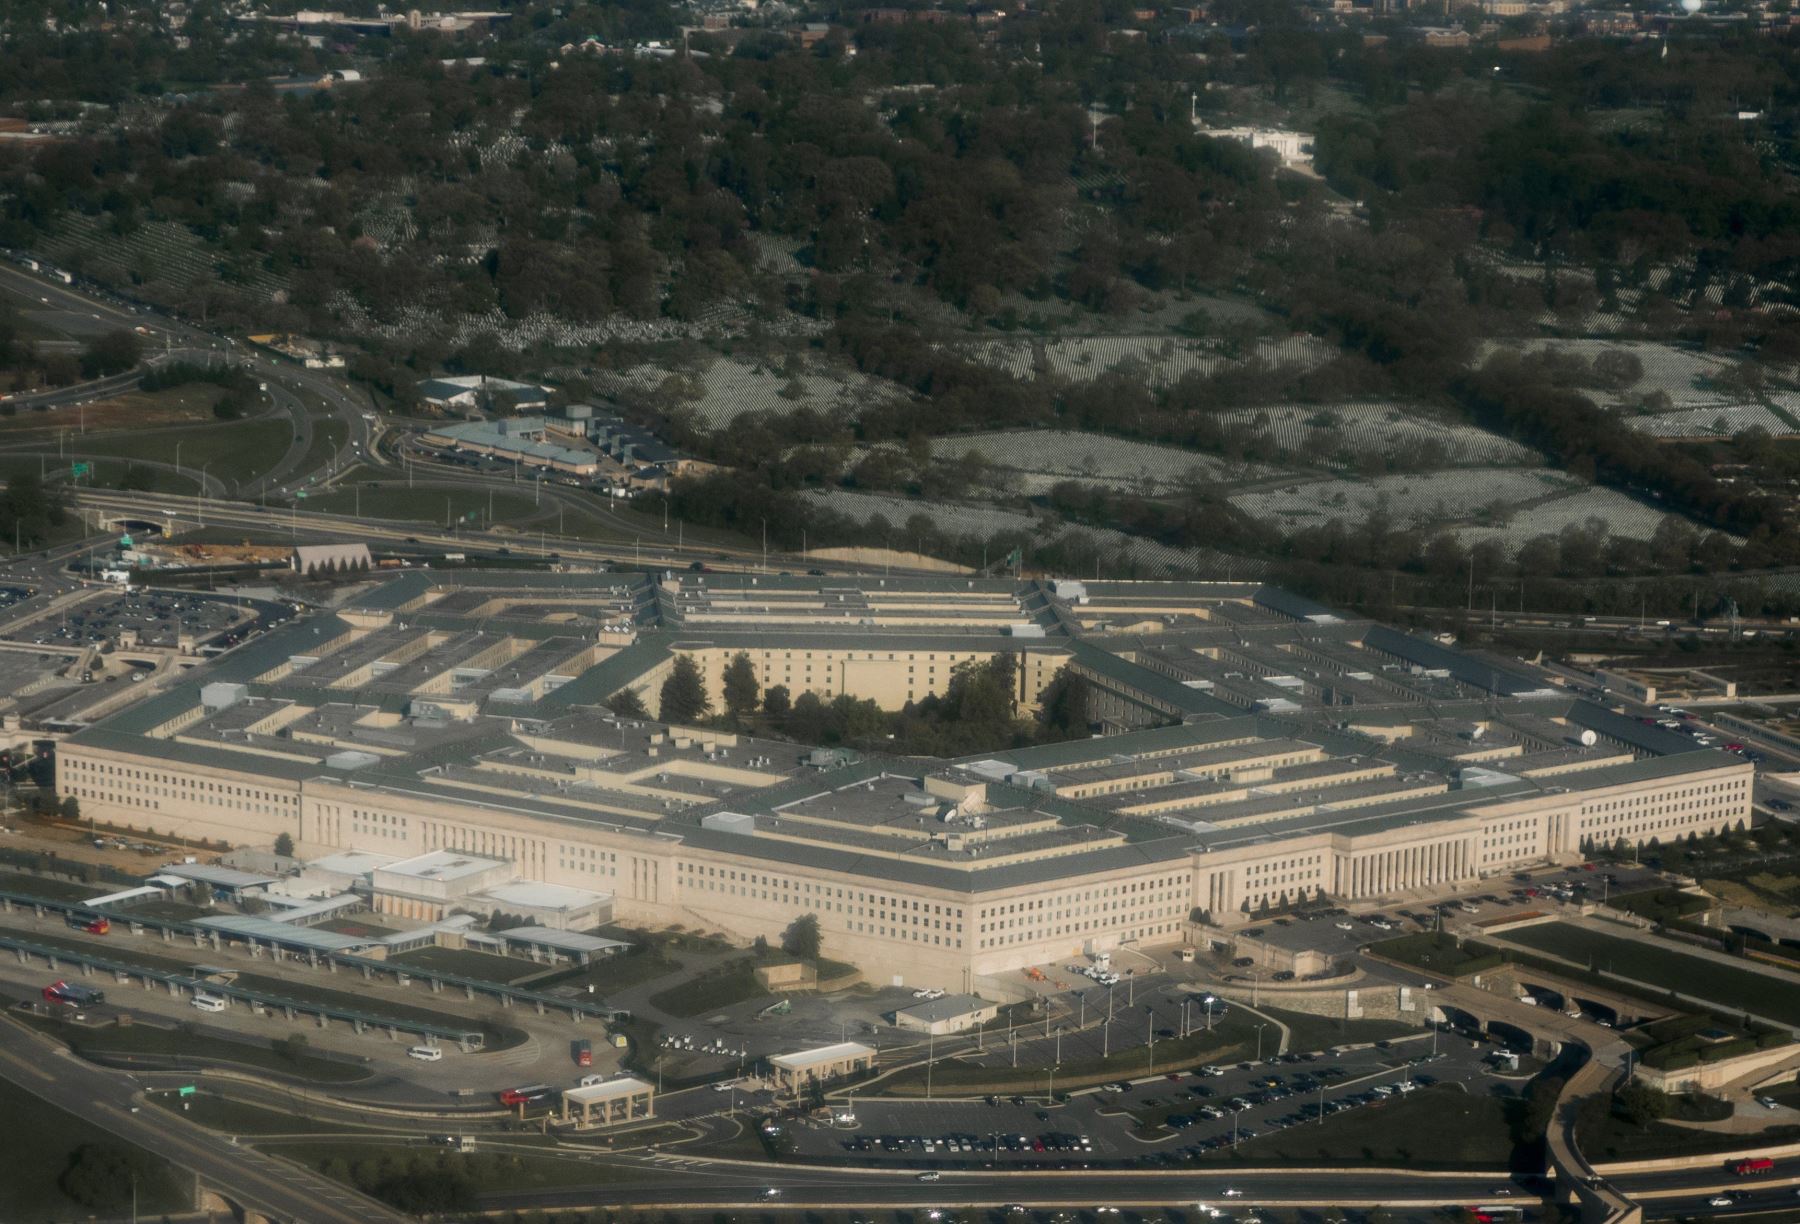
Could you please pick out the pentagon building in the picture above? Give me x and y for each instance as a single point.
(1256, 748)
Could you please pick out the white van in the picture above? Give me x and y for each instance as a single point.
(426, 1053)
(210, 1003)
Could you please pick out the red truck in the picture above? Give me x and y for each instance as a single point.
(1752, 1166)
(584, 1053)
(93, 924)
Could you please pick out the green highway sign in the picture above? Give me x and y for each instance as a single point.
(80, 469)
(300, 493)
(185, 1090)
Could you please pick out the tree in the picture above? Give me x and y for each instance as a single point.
(627, 704)
(802, 937)
(112, 353)
(741, 688)
(683, 697)
(1640, 1104)
(101, 1175)
(776, 702)
(71, 808)
(284, 845)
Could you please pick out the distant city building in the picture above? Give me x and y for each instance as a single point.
(1294, 149)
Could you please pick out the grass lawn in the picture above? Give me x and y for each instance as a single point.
(611, 973)
(356, 928)
(237, 1118)
(230, 451)
(483, 965)
(327, 437)
(1441, 1127)
(209, 1047)
(1434, 950)
(107, 474)
(733, 982)
(499, 1036)
(168, 911)
(112, 947)
(49, 889)
(468, 507)
(1733, 989)
(188, 403)
(38, 1151)
(1228, 1040)
(1310, 1032)
(1612, 1138)
(491, 1172)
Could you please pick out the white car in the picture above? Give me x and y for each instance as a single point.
(588, 1081)
(1768, 1102)
(1232, 1193)
(1343, 926)
(1718, 1200)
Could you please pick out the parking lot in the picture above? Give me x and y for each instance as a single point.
(157, 619)
(1152, 1120)
(1339, 932)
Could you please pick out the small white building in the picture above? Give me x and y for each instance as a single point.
(1294, 149)
(951, 1014)
(794, 1073)
(428, 886)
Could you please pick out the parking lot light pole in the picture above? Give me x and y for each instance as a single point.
(930, 1053)
(1259, 1033)
(1234, 1127)
(1321, 1103)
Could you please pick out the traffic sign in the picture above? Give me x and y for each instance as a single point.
(80, 469)
(185, 1090)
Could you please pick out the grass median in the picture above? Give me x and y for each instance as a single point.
(196, 1047)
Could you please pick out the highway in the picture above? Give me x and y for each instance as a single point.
(110, 1100)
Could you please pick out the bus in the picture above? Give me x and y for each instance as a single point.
(93, 924)
(72, 995)
(1752, 1166)
(527, 1095)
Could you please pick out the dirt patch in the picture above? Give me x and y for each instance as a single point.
(134, 410)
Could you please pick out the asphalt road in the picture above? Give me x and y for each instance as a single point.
(107, 1099)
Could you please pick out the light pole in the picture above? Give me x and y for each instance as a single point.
(1259, 1033)
(177, 456)
(1150, 1037)
(930, 1054)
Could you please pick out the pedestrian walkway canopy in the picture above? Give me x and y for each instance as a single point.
(572, 944)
